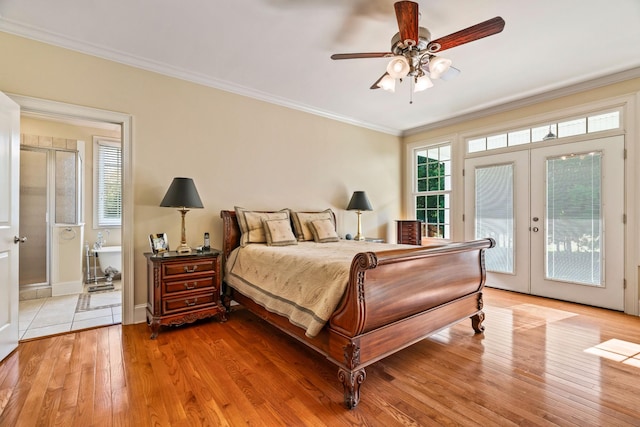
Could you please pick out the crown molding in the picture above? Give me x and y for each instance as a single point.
(33, 33)
(530, 100)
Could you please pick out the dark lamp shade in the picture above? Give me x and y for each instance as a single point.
(359, 202)
(182, 194)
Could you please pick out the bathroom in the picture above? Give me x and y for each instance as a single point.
(66, 226)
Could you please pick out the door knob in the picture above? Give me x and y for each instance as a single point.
(17, 239)
(535, 229)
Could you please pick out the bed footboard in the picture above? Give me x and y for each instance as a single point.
(393, 299)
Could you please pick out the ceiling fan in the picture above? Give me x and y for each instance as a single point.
(413, 53)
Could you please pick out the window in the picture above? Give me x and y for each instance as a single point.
(107, 194)
(577, 126)
(432, 189)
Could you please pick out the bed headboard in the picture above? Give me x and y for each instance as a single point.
(231, 231)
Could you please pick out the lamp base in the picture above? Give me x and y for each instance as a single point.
(183, 249)
(359, 237)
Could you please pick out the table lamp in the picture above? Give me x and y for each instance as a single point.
(359, 203)
(182, 193)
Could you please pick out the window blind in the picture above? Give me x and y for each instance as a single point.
(108, 178)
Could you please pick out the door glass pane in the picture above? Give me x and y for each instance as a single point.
(494, 215)
(574, 221)
(66, 188)
(33, 217)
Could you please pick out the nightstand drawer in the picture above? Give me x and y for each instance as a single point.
(187, 267)
(188, 302)
(188, 285)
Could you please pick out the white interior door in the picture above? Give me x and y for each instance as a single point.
(556, 214)
(9, 199)
(577, 244)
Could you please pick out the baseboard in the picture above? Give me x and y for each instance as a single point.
(140, 313)
(66, 288)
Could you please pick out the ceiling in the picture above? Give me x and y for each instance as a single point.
(278, 50)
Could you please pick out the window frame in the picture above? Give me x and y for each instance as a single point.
(99, 221)
(447, 223)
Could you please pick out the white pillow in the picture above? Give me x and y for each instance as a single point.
(250, 223)
(301, 222)
(323, 231)
(278, 232)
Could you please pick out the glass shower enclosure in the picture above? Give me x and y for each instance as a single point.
(50, 197)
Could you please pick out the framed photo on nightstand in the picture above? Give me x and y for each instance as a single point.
(158, 243)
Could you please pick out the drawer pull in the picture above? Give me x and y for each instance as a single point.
(191, 304)
(190, 269)
(193, 286)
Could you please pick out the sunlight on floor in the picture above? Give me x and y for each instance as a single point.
(618, 351)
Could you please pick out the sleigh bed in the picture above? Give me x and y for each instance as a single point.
(394, 297)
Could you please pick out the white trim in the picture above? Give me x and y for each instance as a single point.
(531, 100)
(140, 313)
(64, 111)
(104, 52)
(632, 207)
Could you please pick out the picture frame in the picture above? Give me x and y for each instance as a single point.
(159, 243)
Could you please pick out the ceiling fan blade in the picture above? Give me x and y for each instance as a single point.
(407, 16)
(360, 55)
(375, 85)
(475, 32)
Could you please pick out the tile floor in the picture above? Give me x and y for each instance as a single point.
(54, 315)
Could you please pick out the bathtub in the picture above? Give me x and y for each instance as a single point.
(109, 256)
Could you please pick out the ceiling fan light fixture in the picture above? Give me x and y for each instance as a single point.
(422, 83)
(398, 67)
(387, 83)
(438, 66)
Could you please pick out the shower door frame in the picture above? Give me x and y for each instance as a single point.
(50, 195)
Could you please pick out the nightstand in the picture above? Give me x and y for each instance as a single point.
(183, 288)
(409, 232)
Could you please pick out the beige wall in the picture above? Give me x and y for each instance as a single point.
(239, 151)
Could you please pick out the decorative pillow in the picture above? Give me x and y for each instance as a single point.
(323, 231)
(301, 222)
(278, 232)
(250, 223)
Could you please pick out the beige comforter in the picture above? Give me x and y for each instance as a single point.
(302, 282)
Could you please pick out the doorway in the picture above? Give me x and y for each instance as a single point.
(56, 217)
(557, 215)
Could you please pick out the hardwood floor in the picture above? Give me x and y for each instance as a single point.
(539, 362)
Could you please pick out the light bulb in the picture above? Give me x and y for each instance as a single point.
(438, 66)
(387, 83)
(422, 83)
(398, 67)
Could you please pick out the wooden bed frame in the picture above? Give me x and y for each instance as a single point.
(393, 299)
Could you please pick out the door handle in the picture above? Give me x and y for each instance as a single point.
(535, 229)
(17, 239)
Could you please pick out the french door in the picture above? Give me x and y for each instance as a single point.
(557, 215)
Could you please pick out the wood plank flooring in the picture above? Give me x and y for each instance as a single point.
(539, 362)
